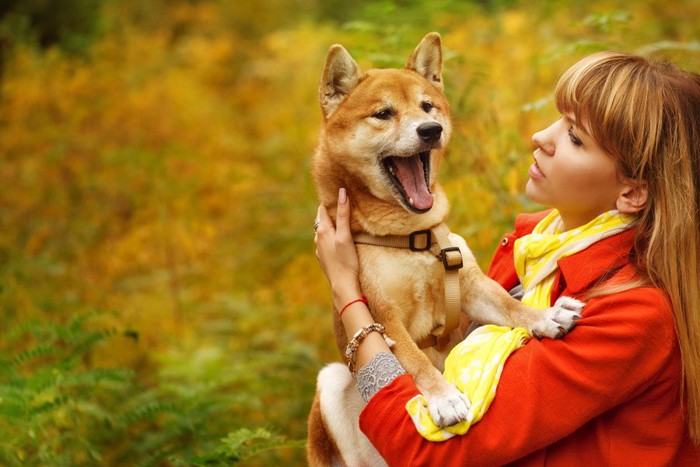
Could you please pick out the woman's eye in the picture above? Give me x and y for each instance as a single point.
(426, 106)
(574, 138)
(383, 114)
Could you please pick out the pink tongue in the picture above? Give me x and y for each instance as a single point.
(409, 171)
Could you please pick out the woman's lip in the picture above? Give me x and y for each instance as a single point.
(535, 172)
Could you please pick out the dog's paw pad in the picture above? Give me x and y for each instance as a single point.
(558, 320)
(450, 408)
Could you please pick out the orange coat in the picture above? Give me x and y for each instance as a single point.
(607, 394)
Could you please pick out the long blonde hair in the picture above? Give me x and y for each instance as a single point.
(646, 114)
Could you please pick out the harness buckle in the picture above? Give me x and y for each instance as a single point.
(420, 240)
(451, 258)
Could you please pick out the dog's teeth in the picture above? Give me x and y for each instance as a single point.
(410, 201)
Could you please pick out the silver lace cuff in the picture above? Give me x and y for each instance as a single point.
(381, 370)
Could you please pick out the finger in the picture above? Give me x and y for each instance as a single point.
(316, 227)
(324, 217)
(325, 225)
(342, 220)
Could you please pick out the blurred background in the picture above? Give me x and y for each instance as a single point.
(160, 301)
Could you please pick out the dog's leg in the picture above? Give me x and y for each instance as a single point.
(339, 405)
(487, 302)
(446, 404)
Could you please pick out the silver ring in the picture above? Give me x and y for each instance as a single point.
(317, 221)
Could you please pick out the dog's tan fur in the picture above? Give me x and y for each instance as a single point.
(405, 289)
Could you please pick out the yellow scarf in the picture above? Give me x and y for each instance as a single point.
(475, 364)
(536, 254)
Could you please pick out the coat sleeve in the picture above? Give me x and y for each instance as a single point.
(548, 389)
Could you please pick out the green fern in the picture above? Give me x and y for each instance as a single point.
(57, 409)
(241, 445)
(51, 404)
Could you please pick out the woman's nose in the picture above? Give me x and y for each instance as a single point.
(543, 140)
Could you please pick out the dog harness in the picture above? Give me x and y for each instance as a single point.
(436, 241)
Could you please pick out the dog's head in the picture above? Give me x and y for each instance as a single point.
(385, 129)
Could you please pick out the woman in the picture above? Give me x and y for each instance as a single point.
(624, 387)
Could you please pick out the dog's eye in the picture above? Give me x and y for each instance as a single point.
(426, 106)
(384, 114)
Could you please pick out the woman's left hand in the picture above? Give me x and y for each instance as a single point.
(335, 250)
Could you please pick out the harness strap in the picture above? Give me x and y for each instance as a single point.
(451, 258)
(421, 240)
(435, 240)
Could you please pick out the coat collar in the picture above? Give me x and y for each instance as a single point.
(580, 270)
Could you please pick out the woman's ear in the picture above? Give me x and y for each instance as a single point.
(633, 197)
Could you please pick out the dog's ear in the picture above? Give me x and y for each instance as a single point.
(340, 76)
(427, 59)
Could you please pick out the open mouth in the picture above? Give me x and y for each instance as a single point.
(410, 177)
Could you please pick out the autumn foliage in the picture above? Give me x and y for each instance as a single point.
(160, 299)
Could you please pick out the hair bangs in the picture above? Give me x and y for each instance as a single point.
(585, 91)
(607, 92)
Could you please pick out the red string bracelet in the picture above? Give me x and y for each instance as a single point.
(363, 299)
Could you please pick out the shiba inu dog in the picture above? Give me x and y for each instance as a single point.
(383, 135)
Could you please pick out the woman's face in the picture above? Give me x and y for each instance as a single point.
(572, 173)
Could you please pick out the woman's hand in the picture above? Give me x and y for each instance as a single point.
(335, 250)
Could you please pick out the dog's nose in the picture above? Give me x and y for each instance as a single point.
(429, 132)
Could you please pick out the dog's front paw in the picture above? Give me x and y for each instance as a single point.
(449, 408)
(559, 319)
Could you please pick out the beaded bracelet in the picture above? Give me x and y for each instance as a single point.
(362, 299)
(357, 339)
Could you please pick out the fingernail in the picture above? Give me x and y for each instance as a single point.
(342, 196)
